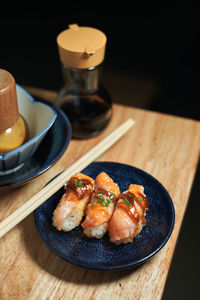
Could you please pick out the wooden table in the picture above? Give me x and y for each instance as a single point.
(166, 147)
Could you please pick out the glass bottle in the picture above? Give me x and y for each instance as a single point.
(83, 98)
(13, 128)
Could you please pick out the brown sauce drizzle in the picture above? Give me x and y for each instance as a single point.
(95, 204)
(135, 215)
(86, 187)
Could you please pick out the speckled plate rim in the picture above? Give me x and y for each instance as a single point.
(130, 264)
(66, 141)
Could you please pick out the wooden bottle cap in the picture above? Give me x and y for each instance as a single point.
(81, 47)
(8, 101)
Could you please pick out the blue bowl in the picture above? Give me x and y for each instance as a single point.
(39, 118)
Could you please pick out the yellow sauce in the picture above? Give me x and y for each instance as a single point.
(13, 137)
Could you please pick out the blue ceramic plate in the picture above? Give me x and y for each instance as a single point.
(50, 150)
(77, 249)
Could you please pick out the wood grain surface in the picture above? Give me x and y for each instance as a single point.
(166, 147)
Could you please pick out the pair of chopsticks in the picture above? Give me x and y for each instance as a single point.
(35, 201)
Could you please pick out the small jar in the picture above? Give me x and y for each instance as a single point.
(83, 98)
(13, 128)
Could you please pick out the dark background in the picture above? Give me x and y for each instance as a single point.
(161, 48)
(152, 61)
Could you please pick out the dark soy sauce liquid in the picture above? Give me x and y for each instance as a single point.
(88, 114)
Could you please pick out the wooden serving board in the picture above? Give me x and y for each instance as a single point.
(163, 145)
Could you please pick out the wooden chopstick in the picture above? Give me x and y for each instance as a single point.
(51, 188)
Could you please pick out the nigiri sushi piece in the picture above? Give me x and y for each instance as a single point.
(101, 206)
(71, 208)
(128, 218)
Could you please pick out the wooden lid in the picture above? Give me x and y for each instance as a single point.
(81, 47)
(8, 101)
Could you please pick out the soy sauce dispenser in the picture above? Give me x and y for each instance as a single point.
(83, 98)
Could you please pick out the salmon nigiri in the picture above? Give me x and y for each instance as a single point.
(101, 206)
(71, 208)
(128, 218)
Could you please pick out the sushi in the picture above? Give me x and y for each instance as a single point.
(128, 218)
(71, 207)
(122, 215)
(101, 206)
